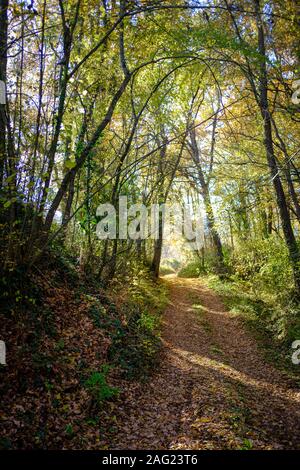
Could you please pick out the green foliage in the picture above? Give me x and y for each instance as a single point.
(164, 270)
(204, 263)
(136, 347)
(63, 262)
(247, 444)
(136, 343)
(261, 291)
(69, 430)
(98, 386)
(134, 328)
(183, 61)
(192, 269)
(274, 320)
(100, 315)
(265, 263)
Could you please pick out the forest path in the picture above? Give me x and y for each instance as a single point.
(213, 389)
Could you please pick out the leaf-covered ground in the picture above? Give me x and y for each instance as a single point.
(213, 389)
(73, 353)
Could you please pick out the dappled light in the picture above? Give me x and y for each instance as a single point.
(223, 391)
(149, 229)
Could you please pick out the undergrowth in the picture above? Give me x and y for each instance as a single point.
(98, 387)
(192, 269)
(72, 346)
(274, 320)
(135, 336)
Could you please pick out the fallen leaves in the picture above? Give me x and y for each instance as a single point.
(212, 389)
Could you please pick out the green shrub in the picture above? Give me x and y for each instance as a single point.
(98, 386)
(274, 319)
(264, 262)
(193, 269)
(134, 328)
(166, 270)
(136, 343)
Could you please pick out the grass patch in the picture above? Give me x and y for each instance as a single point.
(164, 270)
(274, 325)
(191, 270)
(214, 349)
(134, 328)
(199, 308)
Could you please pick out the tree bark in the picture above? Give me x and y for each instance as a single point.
(207, 203)
(3, 68)
(158, 243)
(268, 142)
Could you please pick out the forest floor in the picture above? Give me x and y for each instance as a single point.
(213, 389)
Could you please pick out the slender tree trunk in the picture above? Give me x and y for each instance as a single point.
(288, 164)
(58, 123)
(68, 207)
(158, 243)
(207, 204)
(292, 191)
(280, 195)
(112, 264)
(83, 156)
(3, 67)
(212, 228)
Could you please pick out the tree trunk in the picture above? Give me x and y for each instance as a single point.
(207, 204)
(292, 191)
(3, 67)
(68, 207)
(280, 195)
(213, 231)
(155, 265)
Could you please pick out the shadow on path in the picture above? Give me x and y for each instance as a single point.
(213, 389)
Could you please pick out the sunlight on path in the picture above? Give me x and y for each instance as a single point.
(213, 389)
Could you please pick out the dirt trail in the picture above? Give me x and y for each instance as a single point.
(213, 389)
